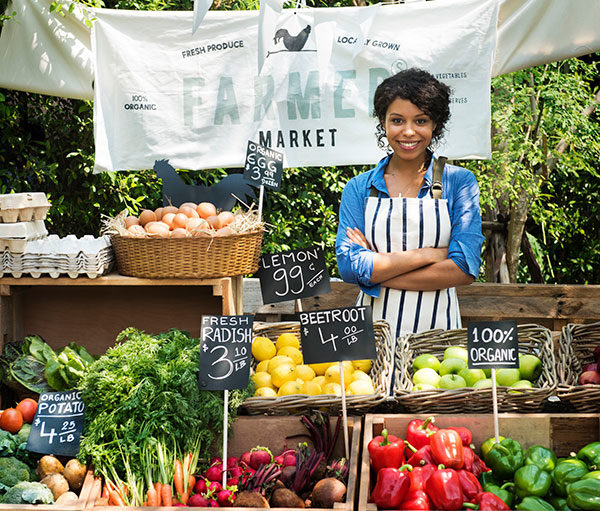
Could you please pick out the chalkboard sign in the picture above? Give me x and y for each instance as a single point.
(225, 352)
(292, 275)
(337, 334)
(57, 424)
(263, 166)
(493, 345)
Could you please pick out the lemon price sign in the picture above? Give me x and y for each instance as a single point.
(225, 352)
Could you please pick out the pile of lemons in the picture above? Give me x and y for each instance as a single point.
(281, 371)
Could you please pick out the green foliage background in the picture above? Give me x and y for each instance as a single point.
(46, 144)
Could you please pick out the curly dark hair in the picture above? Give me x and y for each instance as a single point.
(420, 88)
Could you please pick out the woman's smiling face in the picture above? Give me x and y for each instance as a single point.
(408, 129)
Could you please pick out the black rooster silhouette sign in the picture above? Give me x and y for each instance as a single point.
(291, 42)
(222, 194)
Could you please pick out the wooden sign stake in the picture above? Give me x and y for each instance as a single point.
(495, 405)
(344, 414)
(260, 202)
(225, 434)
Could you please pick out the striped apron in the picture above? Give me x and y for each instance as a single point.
(398, 224)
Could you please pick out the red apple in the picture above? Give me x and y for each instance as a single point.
(592, 377)
(591, 367)
(597, 353)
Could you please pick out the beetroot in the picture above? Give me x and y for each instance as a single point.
(198, 500)
(245, 459)
(597, 353)
(289, 460)
(214, 472)
(591, 367)
(213, 503)
(225, 498)
(260, 456)
(200, 486)
(279, 459)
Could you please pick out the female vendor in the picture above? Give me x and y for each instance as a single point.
(405, 247)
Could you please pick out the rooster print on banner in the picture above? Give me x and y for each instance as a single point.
(291, 38)
(223, 194)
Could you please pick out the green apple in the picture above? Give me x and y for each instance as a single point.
(486, 383)
(423, 386)
(472, 376)
(507, 377)
(426, 360)
(521, 384)
(530, 367)
(456, 352)
(426, 375)
(451, 366)
(452, 381)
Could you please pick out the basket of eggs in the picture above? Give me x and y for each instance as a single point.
(189, 241)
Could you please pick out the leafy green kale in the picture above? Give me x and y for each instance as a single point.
(12, 471)
(28, 493)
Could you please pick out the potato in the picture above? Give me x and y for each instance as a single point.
(57, 484)
(74, 473)
(49, 465)
(67, 499)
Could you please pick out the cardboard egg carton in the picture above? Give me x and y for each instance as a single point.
(59, 256)
(14, 236)
(23, 207)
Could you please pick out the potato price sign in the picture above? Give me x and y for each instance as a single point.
(493, 345)
(57, 424)
(263, 166)
(337, 334)
(225, 352)
(292, 275)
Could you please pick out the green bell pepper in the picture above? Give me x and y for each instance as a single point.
(590, 454)
(559, 503)
(584, 494)
(505, 458)
(566, 472)
(532, 480)
(532, 503)
(488, 444)
(502, 492)
(595, 474)
(541, 457)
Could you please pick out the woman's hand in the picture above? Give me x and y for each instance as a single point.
(356, 236)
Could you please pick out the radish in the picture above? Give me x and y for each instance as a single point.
(215, 460)
(235, 471)
(198, 500)
(245, 458)
(214, 472)
(200, 486)
(213, 503)
(289, 460)
(225, 498)
(260, 456)
(214, 487)
(279, 459)
(232, 461)
(233, 481)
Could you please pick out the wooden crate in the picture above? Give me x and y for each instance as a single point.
(563, 433)
(250, 431)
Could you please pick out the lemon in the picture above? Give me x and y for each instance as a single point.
(265, 392)
(359, 387)
(262, 379)
(312, 388)
(291, 387)
(263, 348)
(361, 375)
(278, 360)
(287, 340)
(320, 369)
(320, 380)
(263, 366)
(294, 353)
(304, 372)
(283, 373)
(332, 375)
(362, 365)
(332, 388)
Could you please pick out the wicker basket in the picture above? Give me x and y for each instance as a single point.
(381, 373)
(576, 346)
(532, 339)
(197, 257)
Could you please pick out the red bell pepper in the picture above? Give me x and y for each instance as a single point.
(468, 458)
(487, 501)
(391, 487)
(419, 476)
(444, 490)
(465, 434)
(416, 500)
(447, 448)
(420, 457)
(419, 432)
(386, 451)
(469, 484)
(479, 466)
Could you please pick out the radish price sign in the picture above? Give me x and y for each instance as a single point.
(334, 335)
(493, 345)
(293, 275)
(58, 424)
(225, 352)
(263, 166)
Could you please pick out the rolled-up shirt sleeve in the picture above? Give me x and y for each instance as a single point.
(466, 239)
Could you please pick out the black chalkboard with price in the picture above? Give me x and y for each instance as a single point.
(333, 335)
(58, 424)
(225, 352)
(292, 275)
(493, 344)
(263, 166)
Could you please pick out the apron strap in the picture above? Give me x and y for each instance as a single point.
(438, 170)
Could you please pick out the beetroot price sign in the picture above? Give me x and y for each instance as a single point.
(225, 352)
(337, 334)
(493, 345)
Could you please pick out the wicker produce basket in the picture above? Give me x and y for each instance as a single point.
(381, 372)
(193, 257)
(533, 339)
(576, 346)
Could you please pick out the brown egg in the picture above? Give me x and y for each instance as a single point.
(215, 222)
(206, 209)
(136, 230)
(195, 223)
(180, 221)
(170, 209)
(178, 233)
(147, 216)
(131, 220)
(158, 229)
(168, 219)
(159, 213)
(224, 231)
(226, 217)
(189, 211)
(192, 205)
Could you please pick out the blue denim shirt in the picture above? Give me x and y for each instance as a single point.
(459, 185)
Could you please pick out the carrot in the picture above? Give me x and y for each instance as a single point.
(166, 494)
(115, 499)
(158, 487)
(191, 482)
(104, 491)
(152, 497)
(178, 478)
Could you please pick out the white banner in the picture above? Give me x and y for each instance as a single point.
(162, 93)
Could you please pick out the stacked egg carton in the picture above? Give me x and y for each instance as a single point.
(26, 248)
